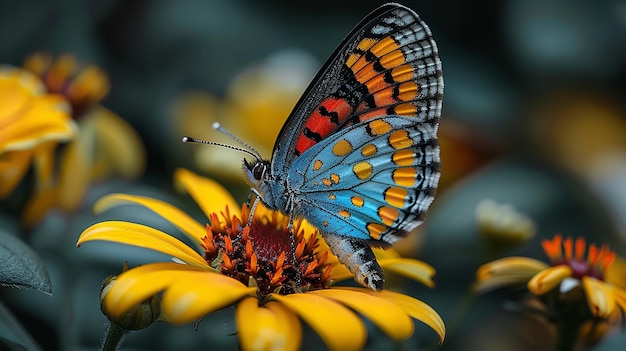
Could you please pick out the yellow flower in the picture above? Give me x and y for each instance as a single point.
(503, 223)
(84, 86)
(570, 270)
(106, 145)
(32, 123)
(271, 276)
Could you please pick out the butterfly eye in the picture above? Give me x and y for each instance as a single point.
(258, 170)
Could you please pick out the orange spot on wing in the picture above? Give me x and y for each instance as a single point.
(357, 201)
(404, 176)
(403, 157)
(342, 148)
(357, 61)
(352, 59)
(399, 139)
(366, 43)
(402, 73)
(408, 91)
(388, 215)
(396, 196)
(362, 170)
(384, 46)
(392, 59)
(379, 127)
(405, 110)
(344, 213)
(368, 150)
(372, 79)
(375, 229)
(317, 165)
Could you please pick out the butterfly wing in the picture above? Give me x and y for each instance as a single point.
(387, 65)
(372, 182)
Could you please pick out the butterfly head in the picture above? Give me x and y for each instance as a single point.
(259, 177)
(256, 172)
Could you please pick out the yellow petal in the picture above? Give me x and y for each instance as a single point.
(410, 268)
(194, 230)
(268, 327)
(340, 272)
(28, 116)
(507, 271)
(142, 236)
(118, 148)
(47, 119)
(620, 298)
(548, 279)
(616, 273)
(138, 284)
(207, 193)
(390, 318)
(44, 196)
(600, 297)
(190, 292)
(75, 177)
(413, 307)
(339, 327)
(195, 295)
(383, 254)
(17, 88)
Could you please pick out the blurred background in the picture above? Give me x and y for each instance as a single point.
(534, 116)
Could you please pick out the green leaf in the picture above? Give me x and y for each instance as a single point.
(12, 334)
(20, 266)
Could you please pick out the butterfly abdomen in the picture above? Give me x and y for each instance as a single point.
(358, 257)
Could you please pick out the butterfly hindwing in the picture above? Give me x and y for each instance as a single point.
(388, 65)
(374, 181)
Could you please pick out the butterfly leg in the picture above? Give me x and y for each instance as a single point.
(359, 258)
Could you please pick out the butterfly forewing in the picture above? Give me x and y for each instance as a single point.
(388, 65)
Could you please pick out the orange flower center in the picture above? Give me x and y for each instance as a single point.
(83, 85)
(572, 253)
(267, 253)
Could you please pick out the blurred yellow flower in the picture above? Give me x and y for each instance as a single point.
(503, 223)
(32, 123)
(602, 288)
(271, 276)
(267, 91)
(106, 145)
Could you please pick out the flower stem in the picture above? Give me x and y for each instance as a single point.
(113, 340)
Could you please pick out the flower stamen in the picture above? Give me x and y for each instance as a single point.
(572, 254)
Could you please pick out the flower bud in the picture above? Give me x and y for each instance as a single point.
(139, 317)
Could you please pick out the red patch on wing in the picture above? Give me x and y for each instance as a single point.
(324, 120)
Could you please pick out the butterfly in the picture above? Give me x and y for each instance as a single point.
(358, 157)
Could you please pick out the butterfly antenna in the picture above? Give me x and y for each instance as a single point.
(246, 147)
(252, 150)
